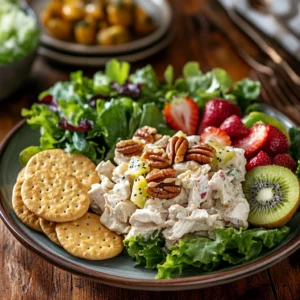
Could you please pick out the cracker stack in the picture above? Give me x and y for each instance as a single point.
(51, 196)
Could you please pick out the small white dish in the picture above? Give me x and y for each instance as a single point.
(160, 10)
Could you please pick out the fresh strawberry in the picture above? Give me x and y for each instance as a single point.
(212, 135)
(285, 160)
(216, 111)
(234, 127)
(254, 141)
(277, 142)
(182, 114)
(261, 159)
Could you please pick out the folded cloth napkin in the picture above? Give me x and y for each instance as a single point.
(268, 24)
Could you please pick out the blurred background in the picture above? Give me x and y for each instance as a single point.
(42, 41)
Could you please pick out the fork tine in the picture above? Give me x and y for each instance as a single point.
(295, 89)
(264, 95)
(277, 98)
(288, 87)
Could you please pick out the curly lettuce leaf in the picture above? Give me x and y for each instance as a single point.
(230, 246)
(298, 169)
(147, 253)
(117, 71)
(294, 133)
(246, 92)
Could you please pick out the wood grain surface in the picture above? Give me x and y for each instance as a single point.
(24, 275)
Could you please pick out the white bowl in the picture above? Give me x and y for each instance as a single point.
(160, 10)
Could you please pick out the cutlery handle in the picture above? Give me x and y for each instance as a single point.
(273, 54)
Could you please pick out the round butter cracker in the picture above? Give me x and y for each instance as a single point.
(87, 238)
(84, 169)
(23, 213)
(54, 160)
(55, 196)
(49, 229)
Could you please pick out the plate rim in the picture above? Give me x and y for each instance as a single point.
(186, 283)
(94, 61)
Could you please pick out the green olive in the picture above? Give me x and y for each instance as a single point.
(94, 11)
(113, 35)
(85, 34)
(73, 11)
(143, 23)
(60, 29)
(120, 14)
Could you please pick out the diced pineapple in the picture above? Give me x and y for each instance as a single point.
(137, 167)
(180, 134)
(139, 195)
(223, 156)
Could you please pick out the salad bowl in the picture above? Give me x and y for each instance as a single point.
(120, 271)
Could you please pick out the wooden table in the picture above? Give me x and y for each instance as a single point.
(24, 275)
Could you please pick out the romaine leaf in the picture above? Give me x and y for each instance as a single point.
(146, 252)
(298, 169)
(27, 153)
(115, 118)
(231, 246)
(152, 116)
(169, 75)
(295, 143)
(117, 71)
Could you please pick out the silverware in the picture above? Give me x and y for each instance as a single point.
(279, 95)
(263, 6)
(262, 44)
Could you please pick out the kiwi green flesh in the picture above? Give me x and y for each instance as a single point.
(273, 195)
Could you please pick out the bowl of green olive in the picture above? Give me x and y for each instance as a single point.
(102, 27)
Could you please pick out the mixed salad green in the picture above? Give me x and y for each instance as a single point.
(19, 32)
(89, 116)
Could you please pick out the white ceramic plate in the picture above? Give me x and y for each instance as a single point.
(159, 9)
(91, 61)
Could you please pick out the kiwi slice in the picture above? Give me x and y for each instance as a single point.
(273, 195)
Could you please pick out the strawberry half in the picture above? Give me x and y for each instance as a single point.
(261, 159)
(277, 142)
(254, 141)
(216, 111)
(234, 127)
(182, 114)
(285, 160)
(215, 135)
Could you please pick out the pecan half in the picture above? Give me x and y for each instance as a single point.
(129, 147)
(177, 148)
(156, 158)
(203, 154)
(162, 184)
(163, 191)
(160, 175)
(147, 134)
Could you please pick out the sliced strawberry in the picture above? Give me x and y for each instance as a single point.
(216, 111)
(277, 142)
(254, 141)
(285, 160)
(215, 135)
(261, 159)
(182, 114)
(234, 127)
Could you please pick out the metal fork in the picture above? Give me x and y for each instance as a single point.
(278, 95)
